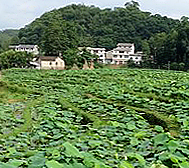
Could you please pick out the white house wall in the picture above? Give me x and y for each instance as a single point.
(58, 64)
(101, 52)
(119, 55)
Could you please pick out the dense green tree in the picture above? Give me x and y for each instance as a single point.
(173, 47)
(157, 46)
(146, 47)
(77, 57)
(10, 59)
(59, 36)
(70, 57)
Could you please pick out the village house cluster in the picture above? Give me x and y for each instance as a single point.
(119, 55)
(40, 62)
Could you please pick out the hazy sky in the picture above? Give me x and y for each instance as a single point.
(18, 13)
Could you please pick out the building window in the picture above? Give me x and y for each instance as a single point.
(115, 62)
(120, 62)
(131, 58)
(50, 63)
(56, 63)
(136, 57)
(115, 56)
(126, 56)
(101, 55)
(95, 51)
(120, 56)
(121, 51)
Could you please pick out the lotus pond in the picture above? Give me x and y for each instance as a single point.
(121, 118)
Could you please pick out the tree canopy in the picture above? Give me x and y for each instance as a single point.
(100, 27)
(11, 59)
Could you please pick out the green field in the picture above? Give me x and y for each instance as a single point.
(121, 118)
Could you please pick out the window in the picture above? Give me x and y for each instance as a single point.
(95, 51)
(121, 51)
(101, 55)
(115, 56)
(126, 56)
(50, 63)
(115, 62)
(56, 63)
(120, 62)
(131, 58)
(136, 57)
(120, 56)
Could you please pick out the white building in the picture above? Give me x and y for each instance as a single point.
(101, 52)
(119, 55)
(51, 62)
(125, 52)
(28, 48)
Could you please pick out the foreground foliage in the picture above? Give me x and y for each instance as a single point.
(101, 118)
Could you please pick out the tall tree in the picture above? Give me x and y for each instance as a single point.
(59, 36)
(157, 46)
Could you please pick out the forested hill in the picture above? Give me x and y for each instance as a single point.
(98, 27)
(7, 37)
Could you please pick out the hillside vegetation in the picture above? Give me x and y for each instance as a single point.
(8, 37)
(63, 30)
(101, 27)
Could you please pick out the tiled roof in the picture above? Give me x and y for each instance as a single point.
(48, 58)
(25, 46)
(125, 44)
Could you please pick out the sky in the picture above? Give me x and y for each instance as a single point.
(18, 13)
